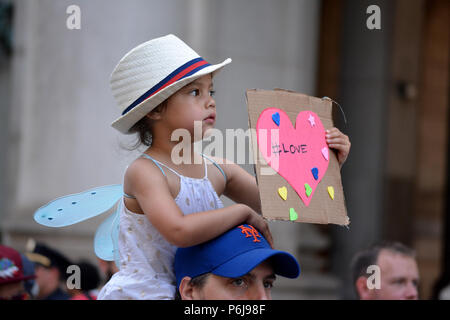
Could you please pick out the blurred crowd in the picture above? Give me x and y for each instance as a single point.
(44, 273)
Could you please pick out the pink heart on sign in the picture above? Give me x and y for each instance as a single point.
(294, 152)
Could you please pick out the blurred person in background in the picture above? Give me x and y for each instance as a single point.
(30, 285)
(399, 273)
(51, 271)
(12, 276)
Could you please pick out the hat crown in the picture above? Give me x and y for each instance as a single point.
(10, 265)
(240, 239)
(233, 254)
(151, 73)
(207, 256)
(146, 65)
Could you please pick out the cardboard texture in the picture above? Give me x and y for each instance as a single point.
(279, 199)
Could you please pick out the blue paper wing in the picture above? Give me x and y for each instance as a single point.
(75, 208)
(115, 235)
(105, 241)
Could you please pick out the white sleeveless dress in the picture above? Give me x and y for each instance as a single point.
(146, 258)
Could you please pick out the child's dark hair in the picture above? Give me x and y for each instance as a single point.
(143, 128)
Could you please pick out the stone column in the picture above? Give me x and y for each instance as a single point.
(363, 95)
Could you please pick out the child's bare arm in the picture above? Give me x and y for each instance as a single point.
(152, 192)
(241, 186)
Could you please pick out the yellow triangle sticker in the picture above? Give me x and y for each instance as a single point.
(331, 192)
(282, 192)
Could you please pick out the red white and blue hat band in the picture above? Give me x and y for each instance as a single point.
(186, 70)
(150, 73)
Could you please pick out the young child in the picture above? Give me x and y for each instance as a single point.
(160, 86)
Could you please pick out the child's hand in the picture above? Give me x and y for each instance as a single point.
(339, 141)
(261, 225)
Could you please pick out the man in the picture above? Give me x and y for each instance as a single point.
(30, 285)
(51, 271)
(12, 275)
(398, 272)
(240, 264)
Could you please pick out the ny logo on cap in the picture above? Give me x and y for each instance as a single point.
(250, 231)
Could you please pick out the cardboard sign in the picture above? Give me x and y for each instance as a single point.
(298, 176)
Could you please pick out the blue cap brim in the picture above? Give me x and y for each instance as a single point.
(283, 263)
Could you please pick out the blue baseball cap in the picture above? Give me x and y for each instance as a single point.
(232, 255)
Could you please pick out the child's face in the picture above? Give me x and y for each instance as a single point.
(194, 102)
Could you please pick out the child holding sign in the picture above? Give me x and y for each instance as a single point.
(161, 86)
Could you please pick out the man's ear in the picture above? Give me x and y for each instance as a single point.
(186, 289)
(364, 292)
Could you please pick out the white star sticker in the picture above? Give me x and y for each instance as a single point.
(311, 120)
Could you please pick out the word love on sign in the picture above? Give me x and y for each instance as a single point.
(298, 175)
(296, 153)
(277, 149)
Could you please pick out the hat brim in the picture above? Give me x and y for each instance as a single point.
(125, 122)
(283, 263)
(17, 279)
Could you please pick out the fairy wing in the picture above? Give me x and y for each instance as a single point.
(105, 240)
(78, 207)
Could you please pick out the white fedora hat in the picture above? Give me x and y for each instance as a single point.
(151, 73)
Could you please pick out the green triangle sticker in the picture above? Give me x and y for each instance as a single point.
(308, 189)
(292, 214)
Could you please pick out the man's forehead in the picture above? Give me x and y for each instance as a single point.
(389, 255)
(397, 263)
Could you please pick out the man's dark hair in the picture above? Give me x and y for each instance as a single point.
(198, 281)
(90, 277)
(367, 257)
